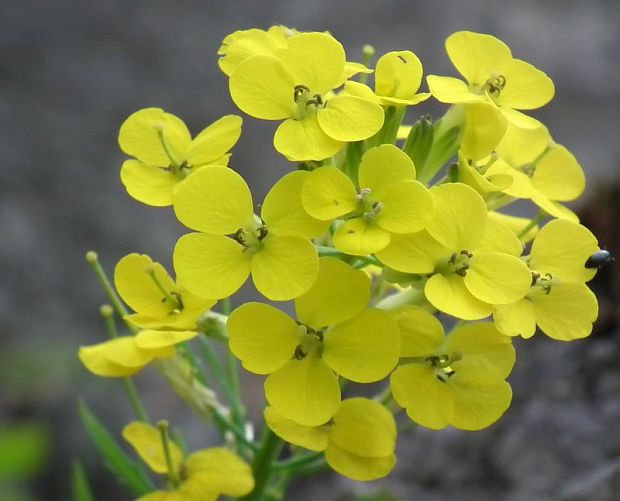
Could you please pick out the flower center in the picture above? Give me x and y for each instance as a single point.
(307, 102)
(311, 341)
(442, 365)
(458, 263)
(367, 208)
(251, 237)
(494, 85)
(543, 283)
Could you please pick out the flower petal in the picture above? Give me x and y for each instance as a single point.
(215, 199)
(328, 193)
(220, 470)
(309, 437)
(413, 253)
(214, 141)
(477, 56)
(262, 337)
(485, 126)
(558, 175)
(526, 87)
(452, 90)
(339, 293)
(562, 249)
(407, 207)
(305, 391)
(283, 211)
(360, 238)
(148, 184)
(383, 166)
(478, 406)
(364, 427)
(449, 294)
(350, 118)
(398, 74)
(420, 332)
(497, 278)
(261, 87)
(211, 266)
(517, 319)
(152, 339)
(364, 348)
(301, 140)
(500, 238)
(95, 358)
(147, 442)
(285, 267)
(358, 468)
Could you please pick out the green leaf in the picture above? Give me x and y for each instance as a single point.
(79, 483)
(127, 471)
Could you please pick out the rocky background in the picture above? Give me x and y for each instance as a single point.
(71, 71)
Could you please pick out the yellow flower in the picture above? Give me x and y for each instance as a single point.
(275, 248)
(127, 355)
(203, 476)
(558, 301)
(335, 335)
(543, 171)
(388, 200)
(165, 153)
(398, 75)
(471, 260)
(157, 300)
(358, 442)
(515, 224)
(492, 75)
(295, 86)
(456, 380)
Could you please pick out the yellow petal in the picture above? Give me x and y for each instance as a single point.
(95, 358)
(398, 74)
(413, 253)
(476, 407)
(449, 294)
(497, 278)
(407, 207)
(350, 118)
(353, 88)
(138, 289)
(552, 208)
(364, 427)
(500, 238)
(147, 442)
(364, 348)
(519, 119)
(526, 88)
(517, 319)
(168, 496)
(420, 332)
(328, 193)
(514, 223)
(141, 136)
(487, 355)
(214, 141)
(215, 199)
(383, 166)
(427, 400)
(242, 44)
(283, 211)
(152, 339)
(562, 249)
(300, 140)
(262, 337)
(567, 312)
(477, 56)
(148, 184)
(558, 175)
(520, 146)
(315, 60)
(359, 238)
(211, 266)
(358, 468)
(305, 391)
(460, 216)
(485, 126)
(339, 293)
(261, 87)
(285, 267)
(309, 437)
(220, 470)
(452, 90)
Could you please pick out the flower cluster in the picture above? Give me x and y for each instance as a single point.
(379, 227)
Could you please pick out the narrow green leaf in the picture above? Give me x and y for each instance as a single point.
(127, 471)
(79, 483)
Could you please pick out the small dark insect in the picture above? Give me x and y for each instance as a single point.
(599, 259)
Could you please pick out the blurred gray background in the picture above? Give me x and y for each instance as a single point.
(72, 71)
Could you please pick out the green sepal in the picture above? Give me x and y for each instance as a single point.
(420, 141)
(128, 472)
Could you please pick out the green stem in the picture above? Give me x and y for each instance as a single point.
(173, 475)
(270, 448)
(534, 222)
(93, 259)
(296, 463)
(354, 152)
(167, 149)
(130, 387)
